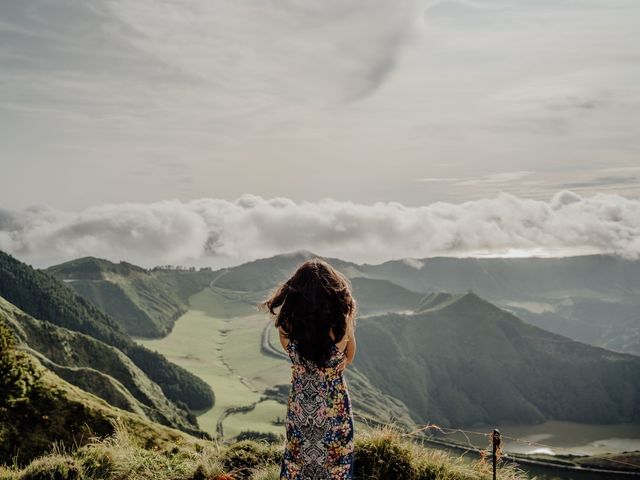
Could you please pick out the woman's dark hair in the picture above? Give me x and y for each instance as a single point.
(315, 300)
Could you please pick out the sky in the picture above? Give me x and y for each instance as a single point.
(214, 131)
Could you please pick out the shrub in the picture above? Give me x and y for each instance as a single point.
(384, 456)
(18, 374)
(98, 461)
(272, 472)
(208, 468)
(243, 457)
(53, 467)
(379, 455)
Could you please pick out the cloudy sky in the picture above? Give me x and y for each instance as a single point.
(219, 130)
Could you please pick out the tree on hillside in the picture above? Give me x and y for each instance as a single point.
(18, 374)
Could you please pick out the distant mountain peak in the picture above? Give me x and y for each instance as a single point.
(433, 301)
(446, 300)
(93, 267)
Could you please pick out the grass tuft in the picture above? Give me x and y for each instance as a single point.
(244, 457)
(383, 455)
(8, 474)
(54, 467)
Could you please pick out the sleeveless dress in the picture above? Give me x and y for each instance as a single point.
(319, 423)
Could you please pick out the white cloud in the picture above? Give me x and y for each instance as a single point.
(495, 178)
(304, 50)
(413, 262)
(215, 231)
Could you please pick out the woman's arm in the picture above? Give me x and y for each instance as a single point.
(350, 351)
(284, 341)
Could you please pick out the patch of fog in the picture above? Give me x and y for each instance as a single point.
(542, 451)
(533, 307)
(617, 444)
(413, 263)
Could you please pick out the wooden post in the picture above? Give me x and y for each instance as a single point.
(495, 442)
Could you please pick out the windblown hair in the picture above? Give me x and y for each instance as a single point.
(316, 300)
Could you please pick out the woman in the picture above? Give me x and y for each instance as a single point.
(316, 326)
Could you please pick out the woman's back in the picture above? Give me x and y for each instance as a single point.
(319, 420)
(315, 308)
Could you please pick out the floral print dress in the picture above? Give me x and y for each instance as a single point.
(319, 421)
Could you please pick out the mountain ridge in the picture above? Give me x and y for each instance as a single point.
(95, 367)
(467, 362)
(39, 409)
(46, 298)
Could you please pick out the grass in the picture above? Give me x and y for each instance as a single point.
(53, 411)
(218, 339)
(379, 455)
(259, 419)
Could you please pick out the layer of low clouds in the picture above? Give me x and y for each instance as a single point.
(219, 232)
(119, 100)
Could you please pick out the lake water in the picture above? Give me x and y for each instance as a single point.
(556, 438)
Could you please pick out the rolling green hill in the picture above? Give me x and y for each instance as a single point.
(145, 303)
(38, 409)
(44, 297)
(95, 367)
(464, 361)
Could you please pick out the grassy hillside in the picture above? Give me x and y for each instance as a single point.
(145, 303)
(463, 361)
(46, 298)
(39, 409)
(381, 455)
(95, 367)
